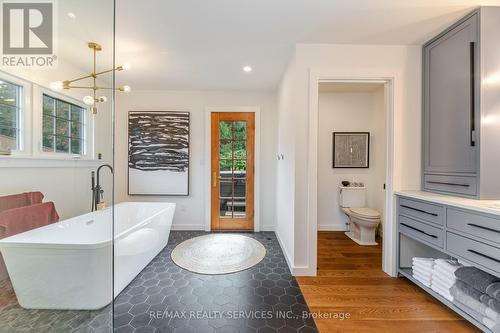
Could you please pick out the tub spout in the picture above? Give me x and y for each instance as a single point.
(97, 190)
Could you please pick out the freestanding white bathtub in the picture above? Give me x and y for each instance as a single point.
(68, 265)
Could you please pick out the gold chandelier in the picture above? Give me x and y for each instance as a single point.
(94, 99)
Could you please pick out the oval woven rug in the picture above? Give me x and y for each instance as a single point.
(218, 253)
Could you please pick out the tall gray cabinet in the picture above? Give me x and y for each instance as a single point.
(461, 108)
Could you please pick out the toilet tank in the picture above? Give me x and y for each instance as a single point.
(352, 197)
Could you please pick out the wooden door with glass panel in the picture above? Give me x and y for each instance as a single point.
(232, 198)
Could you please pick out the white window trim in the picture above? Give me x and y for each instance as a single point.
(31, 154)
(24, 116)
(38, 152)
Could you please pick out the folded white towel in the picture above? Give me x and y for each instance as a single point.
(440, 285)
(426, 270)
(443, 274)
(442, 292)
(492, 314)
(422, 274)
(423, 259)
(438, 278)
(423, 279)
(449, 266)
(422, 265)
(424, 282)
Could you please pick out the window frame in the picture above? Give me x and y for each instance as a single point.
(55, 118)
(23, 114)
(88, 127)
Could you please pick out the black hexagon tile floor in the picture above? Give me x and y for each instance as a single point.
(166, 298)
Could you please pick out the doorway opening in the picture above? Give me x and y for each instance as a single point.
(232, 171)
(351, 176)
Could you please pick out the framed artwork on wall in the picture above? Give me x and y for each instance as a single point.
(351, 150)
(158, 153)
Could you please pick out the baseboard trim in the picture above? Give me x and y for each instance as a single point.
(285, 252)
(331, 227)
(268, 228)
(188, 227)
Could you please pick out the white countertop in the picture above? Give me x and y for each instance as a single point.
(484, 206)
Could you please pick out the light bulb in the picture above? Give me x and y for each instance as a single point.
(126, 89)
(103, 99)
(88, 100)
(56, 85)
(247, 69)
(126, 66)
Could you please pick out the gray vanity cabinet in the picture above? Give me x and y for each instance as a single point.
(449, 100)
(452, 108)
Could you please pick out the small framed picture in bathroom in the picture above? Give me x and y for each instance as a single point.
(351, 150)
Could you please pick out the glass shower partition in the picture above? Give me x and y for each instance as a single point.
(57, 166)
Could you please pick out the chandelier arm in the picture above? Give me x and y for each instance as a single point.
(79, 87)
(80, 78)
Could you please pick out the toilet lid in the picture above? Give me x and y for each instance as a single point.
(366, 213)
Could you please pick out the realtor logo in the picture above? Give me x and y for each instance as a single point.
(28, 29)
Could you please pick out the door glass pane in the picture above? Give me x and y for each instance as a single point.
(225, 130)
(240, 130)
(226, 150)
(240, 149)
(239, 203)
(240, 167)
(226, 195)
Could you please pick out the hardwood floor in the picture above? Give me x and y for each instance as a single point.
(350, 281)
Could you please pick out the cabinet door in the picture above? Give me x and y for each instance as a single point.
(450, 63)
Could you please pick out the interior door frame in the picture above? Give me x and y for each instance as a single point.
(207, 161)
(393, 169)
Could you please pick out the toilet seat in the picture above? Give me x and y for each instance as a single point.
(365, 213)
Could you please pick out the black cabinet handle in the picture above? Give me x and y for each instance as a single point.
(418, 210)
(483, 255)
(418, 230)
(484, 228)
(472, 94)
(445, 183)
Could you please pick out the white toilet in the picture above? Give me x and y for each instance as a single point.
(363, 221)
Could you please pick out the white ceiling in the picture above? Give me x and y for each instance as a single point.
(198, 44)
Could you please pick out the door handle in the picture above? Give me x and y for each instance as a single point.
(214, 179)
(472, 50)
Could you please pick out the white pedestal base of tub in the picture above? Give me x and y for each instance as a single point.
(68, 265)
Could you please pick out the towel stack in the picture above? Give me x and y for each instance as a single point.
(478, 293)
(443, 277)
(422, 270)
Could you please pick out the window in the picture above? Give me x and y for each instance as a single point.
(10, 115)
(63, 127)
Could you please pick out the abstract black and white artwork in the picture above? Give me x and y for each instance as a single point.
(158, 154)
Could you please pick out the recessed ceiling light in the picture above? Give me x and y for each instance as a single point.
(72, 15)
(247, 69)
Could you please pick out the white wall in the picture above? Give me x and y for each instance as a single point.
(349, 112)
(403, 65)
(190, 213)
(285, 181)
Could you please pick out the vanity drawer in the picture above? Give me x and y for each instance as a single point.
(421, 230)
(422, 210)
(474, 251)
(474, 224)
(451, 184)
